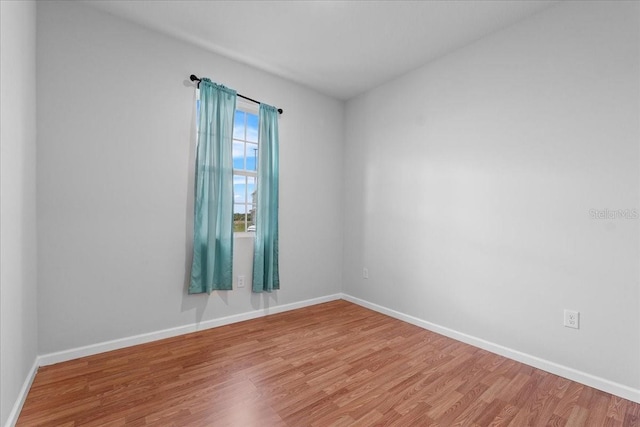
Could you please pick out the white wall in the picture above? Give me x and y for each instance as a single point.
(18, 314)
(468, 185)
(115, 159)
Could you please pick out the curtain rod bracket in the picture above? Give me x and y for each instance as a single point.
(195, 78)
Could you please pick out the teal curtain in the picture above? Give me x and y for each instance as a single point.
(265, 254)
(213, 223)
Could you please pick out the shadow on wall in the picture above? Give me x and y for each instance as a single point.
(266, 297)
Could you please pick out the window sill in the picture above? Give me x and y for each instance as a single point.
(244, 235)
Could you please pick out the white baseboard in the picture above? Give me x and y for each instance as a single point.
(22, 396)
(599, 383)
(89, 350)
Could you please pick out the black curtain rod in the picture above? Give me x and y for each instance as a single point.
(195, 78)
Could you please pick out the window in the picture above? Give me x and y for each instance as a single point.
(245, 168)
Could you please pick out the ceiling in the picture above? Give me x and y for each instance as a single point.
(340, 48)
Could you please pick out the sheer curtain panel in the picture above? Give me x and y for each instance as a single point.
(213, 221)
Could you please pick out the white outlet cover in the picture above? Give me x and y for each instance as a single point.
(572, 319)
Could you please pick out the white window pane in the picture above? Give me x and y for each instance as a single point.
(238, 154)
(252, 157)
(252, 127)
(251, 189)
(239, 189)
(239, 218)
(238, 124)
(252, 215)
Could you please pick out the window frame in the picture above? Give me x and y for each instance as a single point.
(250, 108)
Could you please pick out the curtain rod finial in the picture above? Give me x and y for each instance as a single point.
(193, 78)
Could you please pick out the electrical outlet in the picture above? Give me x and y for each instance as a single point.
(241, 281)
(365, 273)
(572, 319)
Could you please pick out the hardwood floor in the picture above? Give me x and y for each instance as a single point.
(333, 364)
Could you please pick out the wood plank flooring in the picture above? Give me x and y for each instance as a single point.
(333, 364)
